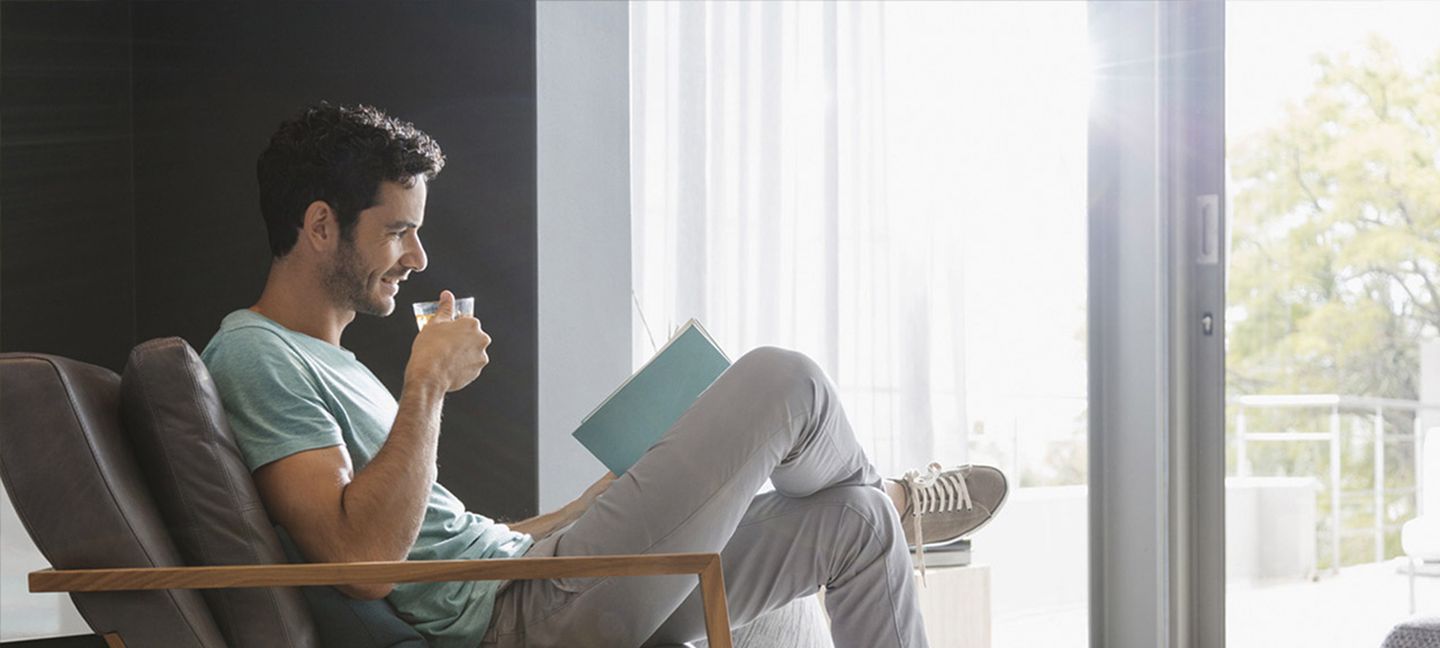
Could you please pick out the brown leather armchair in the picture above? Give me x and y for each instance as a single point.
(119, 511)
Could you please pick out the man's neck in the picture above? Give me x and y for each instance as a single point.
(297, 302)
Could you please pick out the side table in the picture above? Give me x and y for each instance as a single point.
(956, 605)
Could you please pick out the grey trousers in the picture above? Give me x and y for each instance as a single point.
(773, 415)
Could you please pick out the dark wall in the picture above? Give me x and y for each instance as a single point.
(210, 83)
(67, 207)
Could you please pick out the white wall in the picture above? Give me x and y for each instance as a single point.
(583, 115)
(24, 615)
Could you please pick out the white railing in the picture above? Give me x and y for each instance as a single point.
(1336, 404)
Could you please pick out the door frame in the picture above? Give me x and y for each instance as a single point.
(1157, 217)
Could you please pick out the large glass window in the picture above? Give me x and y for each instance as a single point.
(1333, 363)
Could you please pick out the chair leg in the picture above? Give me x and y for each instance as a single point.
(1412, 586)
(712, 597)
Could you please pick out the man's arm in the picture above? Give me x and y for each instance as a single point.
(337, 515)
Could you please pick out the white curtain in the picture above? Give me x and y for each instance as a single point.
(781, 199)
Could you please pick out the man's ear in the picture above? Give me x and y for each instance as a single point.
(321, 230)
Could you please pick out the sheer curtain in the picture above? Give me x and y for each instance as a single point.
(780, 200)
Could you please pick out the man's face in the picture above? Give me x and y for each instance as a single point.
(381, 251)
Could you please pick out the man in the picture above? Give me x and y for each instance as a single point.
(351, 473)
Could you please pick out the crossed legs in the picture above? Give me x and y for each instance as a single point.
(773, 415)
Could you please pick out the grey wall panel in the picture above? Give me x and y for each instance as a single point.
(66, 202)
(66, 208)
(130, 133)
(213, 81)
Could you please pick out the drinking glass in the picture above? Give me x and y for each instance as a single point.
(426, 310)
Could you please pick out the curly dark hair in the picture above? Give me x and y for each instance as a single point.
(338, 154)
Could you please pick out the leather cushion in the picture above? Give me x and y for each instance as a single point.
(69, 470)
(183, 444)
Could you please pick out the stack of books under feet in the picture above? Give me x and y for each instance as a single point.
(955, 553)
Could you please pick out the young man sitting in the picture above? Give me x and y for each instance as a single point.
(350, 472)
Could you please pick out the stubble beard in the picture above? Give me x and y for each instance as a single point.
(349, 286)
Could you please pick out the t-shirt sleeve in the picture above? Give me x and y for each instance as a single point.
(272, 400)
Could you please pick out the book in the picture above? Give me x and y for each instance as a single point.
(950, 554)
(638, 413)
(949, 559)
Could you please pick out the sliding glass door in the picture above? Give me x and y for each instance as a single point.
(1333, 317)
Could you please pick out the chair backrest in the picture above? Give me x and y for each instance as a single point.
(177, 426)
(142, 471)
(72, 477)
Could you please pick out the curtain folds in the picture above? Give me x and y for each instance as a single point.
(774, 198)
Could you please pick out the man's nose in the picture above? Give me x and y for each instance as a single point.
(415, 258)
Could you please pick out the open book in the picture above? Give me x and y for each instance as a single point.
(625, 425)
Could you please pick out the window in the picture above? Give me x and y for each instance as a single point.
(898, 190)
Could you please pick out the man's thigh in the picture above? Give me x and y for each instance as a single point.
(690, 491)
(773, 413)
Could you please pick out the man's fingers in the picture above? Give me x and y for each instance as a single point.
(446, 312)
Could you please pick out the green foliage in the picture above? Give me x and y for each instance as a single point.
(1335, 259)
(1335, 270)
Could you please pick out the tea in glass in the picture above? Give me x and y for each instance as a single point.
(426, 310)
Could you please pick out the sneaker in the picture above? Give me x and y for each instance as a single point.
(944, 505)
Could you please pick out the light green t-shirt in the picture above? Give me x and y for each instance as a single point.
(285, 392)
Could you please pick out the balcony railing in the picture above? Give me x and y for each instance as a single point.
(1338, 406)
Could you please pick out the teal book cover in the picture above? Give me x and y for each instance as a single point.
(634, 418)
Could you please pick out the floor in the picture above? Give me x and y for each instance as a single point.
(1354, 608)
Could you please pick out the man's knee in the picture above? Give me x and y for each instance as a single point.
(876, 506)
(789, 376)
(777, 362)
(869, 505)
(875, 524)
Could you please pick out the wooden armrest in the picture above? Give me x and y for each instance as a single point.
(361, 573)
(707, 565)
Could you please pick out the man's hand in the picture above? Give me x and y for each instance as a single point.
(544, 525)
(587, 498)
(449, 352)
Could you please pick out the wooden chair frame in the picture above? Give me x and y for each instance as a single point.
(706, 565)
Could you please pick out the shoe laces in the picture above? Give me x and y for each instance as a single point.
(934, 491)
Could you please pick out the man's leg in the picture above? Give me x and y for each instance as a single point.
(846, 539)
(773, 415)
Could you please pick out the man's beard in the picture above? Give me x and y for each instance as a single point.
(347, 284)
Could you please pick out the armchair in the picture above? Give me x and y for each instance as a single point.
(134, 491)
